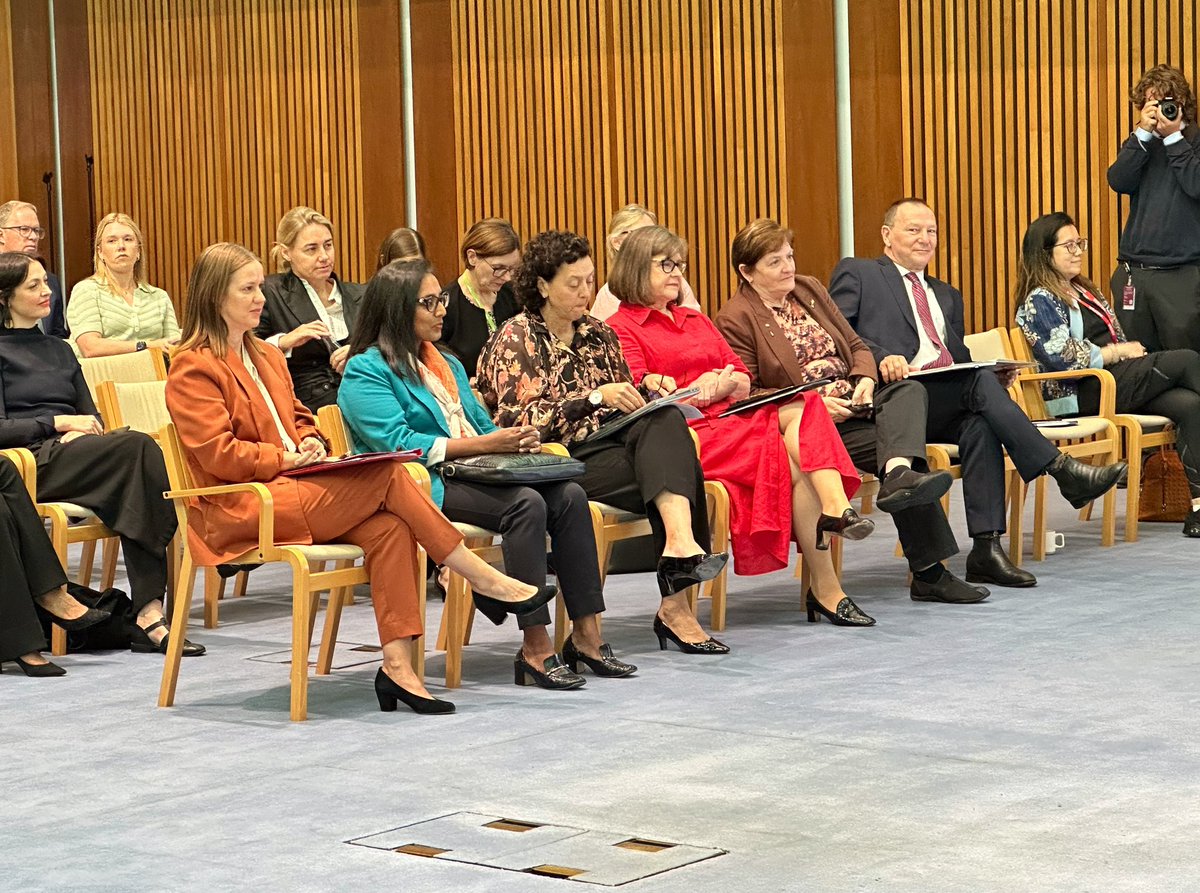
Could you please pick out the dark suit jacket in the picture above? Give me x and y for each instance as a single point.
(464, 328)
(288, 306)
(872, 297)
(750, 328)
(56, 323)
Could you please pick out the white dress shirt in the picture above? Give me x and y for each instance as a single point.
(927, 352)
(333, 316)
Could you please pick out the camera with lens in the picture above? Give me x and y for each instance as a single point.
(1168, 107)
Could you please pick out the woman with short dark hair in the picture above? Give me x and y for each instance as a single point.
(562, 371)
(401, 392)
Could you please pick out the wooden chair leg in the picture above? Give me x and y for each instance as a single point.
(214, 586)
(719, 525)
(1016, 515)
(108, 574)
(333, 620)
(1039, 520)
(1133, 489)
(450, 637)
(561, 621)
(301, 636)
(418, 645)
(58, 539)
(1108, 534)
(179, 622)
(239, 586)
(58, 640)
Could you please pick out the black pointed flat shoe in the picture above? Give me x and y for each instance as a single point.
(678, 574)
(846, 614)
(37, 671)
(850, 525)
(496, 610)
(665, 634)
(606, 665)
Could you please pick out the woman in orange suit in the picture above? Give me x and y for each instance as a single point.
(237, 415)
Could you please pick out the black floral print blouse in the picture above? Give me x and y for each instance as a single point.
(528, 377)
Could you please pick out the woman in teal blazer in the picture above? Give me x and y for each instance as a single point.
(399, 392)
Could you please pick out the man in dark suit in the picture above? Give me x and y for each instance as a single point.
(21, 231)
(912, 321)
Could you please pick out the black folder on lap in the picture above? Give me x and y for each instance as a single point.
(779, 395)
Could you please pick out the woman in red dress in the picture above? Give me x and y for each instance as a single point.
(794, 486)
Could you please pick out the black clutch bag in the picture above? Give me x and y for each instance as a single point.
(512, 468)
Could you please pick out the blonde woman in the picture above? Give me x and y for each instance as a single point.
(115, 310)
(629, 218)
(310, 312)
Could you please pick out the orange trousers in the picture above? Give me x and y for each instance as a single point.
(379, 509)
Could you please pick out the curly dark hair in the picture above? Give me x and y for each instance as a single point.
(544, 254)
(1168, 81)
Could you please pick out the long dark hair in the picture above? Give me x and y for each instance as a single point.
(14, 269)
(1037, 264)
(385, 316)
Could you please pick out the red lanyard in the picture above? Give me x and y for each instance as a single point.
(1097, 308)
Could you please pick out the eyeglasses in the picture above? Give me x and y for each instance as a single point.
(500, 269)
(1075, 246)
(26, 231)
(669, 266)
(432, 302)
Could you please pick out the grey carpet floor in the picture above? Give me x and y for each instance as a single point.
(1043, 740)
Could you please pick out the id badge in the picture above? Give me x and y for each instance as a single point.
(1128, 297)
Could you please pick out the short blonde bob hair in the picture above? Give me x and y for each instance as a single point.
(98, 265)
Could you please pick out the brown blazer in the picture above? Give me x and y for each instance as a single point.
(750, 328)
(230, 438)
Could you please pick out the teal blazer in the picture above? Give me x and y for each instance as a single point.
(386, 412)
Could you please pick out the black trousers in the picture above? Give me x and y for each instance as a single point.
(523, 515)
(631, 468)
(28, 567)
(121, 477)
(972, 410)
(898, 432)
(1164, 383)
(1166, 313)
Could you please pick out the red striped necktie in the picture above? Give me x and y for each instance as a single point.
(926, 316)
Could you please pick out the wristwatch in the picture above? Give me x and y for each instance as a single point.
(596, 399)
(141, 345)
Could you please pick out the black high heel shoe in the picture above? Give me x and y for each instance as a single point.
(851, 525)
(666, 634)
(846, 614)
(388, 693)
(90, 617)
(678, 574)
(556, 676)
(495, 610)
(141, 643)
(37, 671)
(606, 665)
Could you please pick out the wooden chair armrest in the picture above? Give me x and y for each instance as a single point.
(266, 511)
(1108, 385)
(26, 467)
(420, 475)
(555, 449)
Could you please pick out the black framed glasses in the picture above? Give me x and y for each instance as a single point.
(1074, 246)
(500, 269)
(26, 231)
(432, 302)
(669, 266)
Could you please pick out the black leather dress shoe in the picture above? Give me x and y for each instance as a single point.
(556, 676)
(988, 563)
(1080, 483)
(606, 665)
(1191, 524)
(905, 488)
(949, 589)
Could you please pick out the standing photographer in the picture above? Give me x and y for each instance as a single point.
(1156, 286)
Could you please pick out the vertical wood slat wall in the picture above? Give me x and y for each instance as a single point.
(212, 117)
(568, 110)
(1012, 110)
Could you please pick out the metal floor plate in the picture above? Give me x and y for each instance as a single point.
(345, 654)
(605, 858)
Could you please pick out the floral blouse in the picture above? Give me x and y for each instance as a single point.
(529, 377)
(814, 348)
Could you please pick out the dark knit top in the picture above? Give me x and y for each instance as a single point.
(39, 379)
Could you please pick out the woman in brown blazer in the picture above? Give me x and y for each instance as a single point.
(788, 331)
(232, 401)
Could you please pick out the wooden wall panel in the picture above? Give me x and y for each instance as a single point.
(1012, 110)
(213, 117)
(8, 120)
(567, 110)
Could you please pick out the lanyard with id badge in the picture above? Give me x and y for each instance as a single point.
(1129, 292)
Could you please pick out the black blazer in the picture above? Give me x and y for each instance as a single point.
(288, 306)
(464, 328)
(872, 297)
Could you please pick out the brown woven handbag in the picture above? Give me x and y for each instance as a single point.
(1165, 495)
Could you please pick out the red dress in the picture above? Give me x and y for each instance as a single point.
(744, 452)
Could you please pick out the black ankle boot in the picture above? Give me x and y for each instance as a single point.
(988, 563)
(1080, 483)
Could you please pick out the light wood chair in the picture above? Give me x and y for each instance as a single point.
(307, 585)
(1139, 433)
(142, 365)
(1089, 438)
(142, 406)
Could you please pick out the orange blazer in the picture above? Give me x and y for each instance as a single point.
(230, 438)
